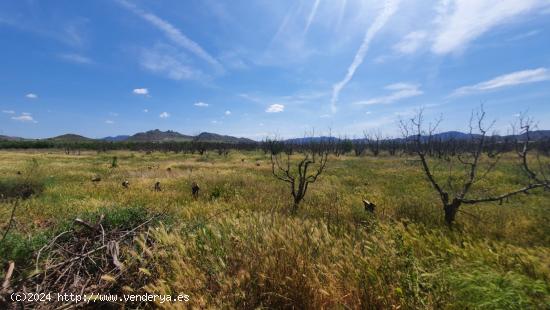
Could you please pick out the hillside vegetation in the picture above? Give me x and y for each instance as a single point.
(237, 245)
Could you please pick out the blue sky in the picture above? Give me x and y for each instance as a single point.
(259, 68)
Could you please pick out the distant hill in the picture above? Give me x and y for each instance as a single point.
(116, 138)
(213, 137)
(70, 138)
(538, 135)
(313, 139)
(8, 138)
(159, 136)
(443, 136)
(454, 135)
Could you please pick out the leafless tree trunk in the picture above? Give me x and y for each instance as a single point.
(306, 171)
(373, 141)
(422, 140)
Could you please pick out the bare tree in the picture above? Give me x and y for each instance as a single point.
(373, 141)
(307, 170)
(359, 147)
(454, 194)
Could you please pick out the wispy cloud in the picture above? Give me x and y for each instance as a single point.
(8, 111)
(287, 47)
(171, 32)
(164, 115)
(166, 60)
(275, 108)
(67, 31)
(462, 21)
(110, 122)
(411, 42)
(389, 9)
(75, 58)
(234, 59)
(312, 15)
(400, 91)
(227, 112)
(201, 104)
(72, 32)
(141, 91)
(525, 35)
(506, 80)
(31, 96)
(24, 117)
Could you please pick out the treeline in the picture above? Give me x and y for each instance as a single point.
(436, 146)
(104, 146)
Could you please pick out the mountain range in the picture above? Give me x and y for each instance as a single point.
(148, 136)
(173, 136)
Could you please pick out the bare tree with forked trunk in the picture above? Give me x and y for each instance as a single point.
(301, 173)
(455, 192)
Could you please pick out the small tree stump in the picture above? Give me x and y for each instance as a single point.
(157, 186)
(125, 184)
(195, 190)
(369, 206)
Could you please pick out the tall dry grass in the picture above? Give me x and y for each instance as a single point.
(237, 246)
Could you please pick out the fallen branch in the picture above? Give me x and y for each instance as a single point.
(10, 222)
(9, 274)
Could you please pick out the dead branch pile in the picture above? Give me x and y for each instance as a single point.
(84, 260)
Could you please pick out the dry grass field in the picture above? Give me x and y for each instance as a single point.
(237, 245)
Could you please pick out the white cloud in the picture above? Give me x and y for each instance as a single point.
(201, 104)
(76, 58)
(31, 96)
(227, 112)
(461, 21)
(411, 42)
(275, 108)
(109, 122)
(172, 33)
(24, 117)
(506, 80)
(145, 110)
(164, 115)
(8, 111)
(389, 9)
(141, 91)
(400, 91)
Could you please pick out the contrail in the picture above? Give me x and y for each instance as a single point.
(312, 15)
(341, 14)
(173, 33)
(389, 9)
